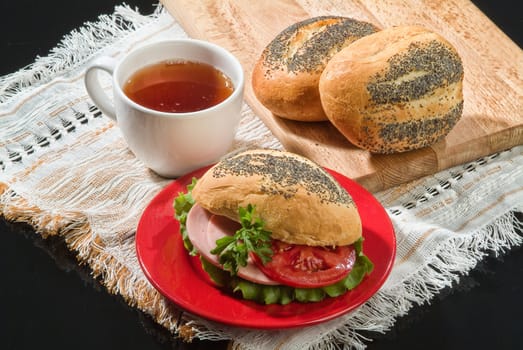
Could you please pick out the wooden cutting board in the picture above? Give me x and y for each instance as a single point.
(493, 85)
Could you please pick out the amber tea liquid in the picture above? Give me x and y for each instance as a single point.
(178, 86)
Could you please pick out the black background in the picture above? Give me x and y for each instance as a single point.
(48, 301)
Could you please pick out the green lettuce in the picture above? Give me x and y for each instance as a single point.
(182, 204)
(280, 294)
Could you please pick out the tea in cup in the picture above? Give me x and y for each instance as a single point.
(178, 102)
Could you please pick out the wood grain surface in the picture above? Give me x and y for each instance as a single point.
(493, 85)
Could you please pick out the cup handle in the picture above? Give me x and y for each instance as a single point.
(94, 88)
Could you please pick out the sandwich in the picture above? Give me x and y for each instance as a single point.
(273, 227)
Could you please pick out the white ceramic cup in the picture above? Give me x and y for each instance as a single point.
(170, 144)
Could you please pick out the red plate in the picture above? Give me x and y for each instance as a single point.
(181, 279)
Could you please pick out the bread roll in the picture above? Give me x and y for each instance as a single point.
(397, 90)
(298, 200)
(285, 78)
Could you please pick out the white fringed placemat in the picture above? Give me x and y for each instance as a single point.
(66, 170)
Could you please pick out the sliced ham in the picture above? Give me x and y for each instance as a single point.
(204, 228)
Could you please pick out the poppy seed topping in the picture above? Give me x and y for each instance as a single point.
(438, 63)
(314, 53)
(413, 134)
(282, 173)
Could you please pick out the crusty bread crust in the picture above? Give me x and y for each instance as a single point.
(298, 200)
(397, 90)
(285, 78)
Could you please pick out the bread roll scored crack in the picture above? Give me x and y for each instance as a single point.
(286, 76)
(397, 90)
(298, 200)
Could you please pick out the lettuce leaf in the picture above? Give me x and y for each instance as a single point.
(182, 204)
(283, 295)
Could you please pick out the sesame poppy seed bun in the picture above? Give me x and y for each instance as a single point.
(297, 199)
(285, 77)
(396, 90)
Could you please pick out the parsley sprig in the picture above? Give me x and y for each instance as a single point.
(233, 251)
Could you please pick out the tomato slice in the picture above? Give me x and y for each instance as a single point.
(306, 266)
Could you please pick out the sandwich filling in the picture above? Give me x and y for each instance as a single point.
(289, 273)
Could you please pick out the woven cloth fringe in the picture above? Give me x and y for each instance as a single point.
(65, 169)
